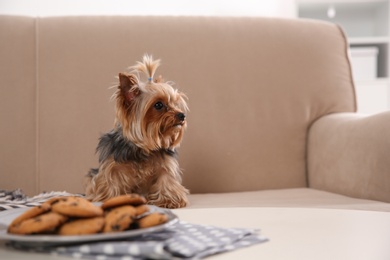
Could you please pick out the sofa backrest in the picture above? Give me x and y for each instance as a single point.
(255, 85)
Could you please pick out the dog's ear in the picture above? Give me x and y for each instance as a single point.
(128, 85)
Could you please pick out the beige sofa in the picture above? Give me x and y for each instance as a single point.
(272, 120)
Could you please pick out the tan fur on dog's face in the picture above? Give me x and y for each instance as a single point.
(162, 120)
(152, 115)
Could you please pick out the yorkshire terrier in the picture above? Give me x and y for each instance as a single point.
(139, 154)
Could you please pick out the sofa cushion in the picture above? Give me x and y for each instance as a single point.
(297, 198)
(18, 103)
(255, 85)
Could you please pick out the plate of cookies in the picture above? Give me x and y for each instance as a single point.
(74, 220)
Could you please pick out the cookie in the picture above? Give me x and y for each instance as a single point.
(127, 199)
(54, 200)
(82, 226)
(142, 209)
(76, 207)
(119, 219)
(43, 223)
(153, 219)
(30, 213)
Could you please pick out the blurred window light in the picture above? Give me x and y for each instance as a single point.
(331, 12)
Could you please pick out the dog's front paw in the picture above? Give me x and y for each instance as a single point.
(170, 201)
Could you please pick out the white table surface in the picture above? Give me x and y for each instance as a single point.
(300, 233)
(294, 233)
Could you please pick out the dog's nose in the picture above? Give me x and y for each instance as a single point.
(181, 116)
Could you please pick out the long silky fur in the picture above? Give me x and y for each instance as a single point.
(147, 66)
(113, 144)
(139, 154)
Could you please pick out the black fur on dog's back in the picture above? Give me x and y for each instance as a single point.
(113, 144)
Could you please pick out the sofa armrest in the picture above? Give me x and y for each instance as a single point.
(349, 154)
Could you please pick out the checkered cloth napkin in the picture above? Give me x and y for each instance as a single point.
(181, 240)
(13, 199)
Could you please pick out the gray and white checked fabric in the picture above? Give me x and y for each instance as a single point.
(17, 199)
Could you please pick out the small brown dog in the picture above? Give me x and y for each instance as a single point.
(138, 155)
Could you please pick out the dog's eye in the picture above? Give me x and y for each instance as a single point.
(159, 105)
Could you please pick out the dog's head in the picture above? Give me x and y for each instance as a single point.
(152, 114)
